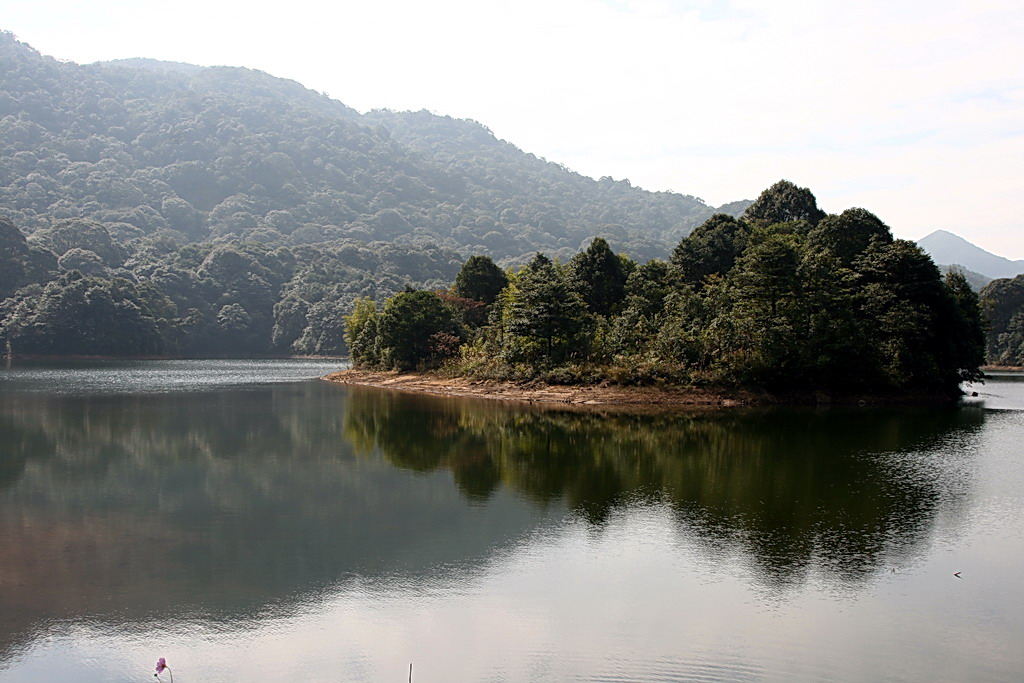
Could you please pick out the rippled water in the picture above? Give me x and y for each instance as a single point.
(93, 377)
(253, 526)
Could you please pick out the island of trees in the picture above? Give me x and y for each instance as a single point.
(785, 298)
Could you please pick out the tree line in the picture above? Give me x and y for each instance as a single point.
(73, 290)
(784, 297)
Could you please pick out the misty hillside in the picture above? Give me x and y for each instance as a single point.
(949, 249)
(143, 146)
(158, 208)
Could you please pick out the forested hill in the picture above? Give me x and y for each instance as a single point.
(532, 201)
(153, 207)
(143, 146)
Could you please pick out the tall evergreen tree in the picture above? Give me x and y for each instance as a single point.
(597, 275)
(766, 309)
(480, 279)
(544, 319)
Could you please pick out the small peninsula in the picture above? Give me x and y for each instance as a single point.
(784, 301)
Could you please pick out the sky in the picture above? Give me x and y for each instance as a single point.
(912, 109)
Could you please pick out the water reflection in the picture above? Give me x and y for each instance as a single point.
(234, 505)
(794, 489)
(215, 504)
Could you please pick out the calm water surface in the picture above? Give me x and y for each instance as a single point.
(250, 523)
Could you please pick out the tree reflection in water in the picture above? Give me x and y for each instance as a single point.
(794, 489)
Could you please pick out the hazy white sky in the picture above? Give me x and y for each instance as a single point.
(913, 109)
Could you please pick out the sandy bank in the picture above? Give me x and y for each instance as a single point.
(630, 398)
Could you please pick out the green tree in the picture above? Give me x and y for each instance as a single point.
(847, 235)
(963, 328)
(597, 275)
(711, 249)
(767, 275)
(361, 334)
(633, 330)
(834, 341)
(182, 216)
(544, 320)
(910, 315)
(784, 202)
(84, 261)
(416, 328)
(480, 280)
(647, 286)
(767, 309)
(234, 324)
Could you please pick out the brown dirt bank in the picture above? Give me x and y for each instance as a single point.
(593, 396)
(605, 396)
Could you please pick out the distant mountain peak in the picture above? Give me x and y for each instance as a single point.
(948, 248)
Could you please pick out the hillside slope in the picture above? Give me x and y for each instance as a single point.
(143, 146)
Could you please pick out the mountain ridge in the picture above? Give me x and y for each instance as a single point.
(240, 153)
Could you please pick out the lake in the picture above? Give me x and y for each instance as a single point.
(251, 523)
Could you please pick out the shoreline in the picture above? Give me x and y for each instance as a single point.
(604, 396)
(563, 396)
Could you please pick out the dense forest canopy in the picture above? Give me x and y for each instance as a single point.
(784, 297)
(244, 214)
